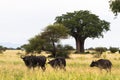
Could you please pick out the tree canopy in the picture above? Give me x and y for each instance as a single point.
(53, 34)
(47, 39)
(83, 25)
(115, 6)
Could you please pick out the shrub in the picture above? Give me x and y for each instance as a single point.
(113, 49)
(91, 48)
(63, 54)
(99, 50)
(68, 47)
(2, 49)
(62, 51)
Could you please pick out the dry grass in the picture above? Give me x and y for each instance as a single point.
(13, 68)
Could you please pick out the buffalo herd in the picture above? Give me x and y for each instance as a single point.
(60, 63)
(40, 61)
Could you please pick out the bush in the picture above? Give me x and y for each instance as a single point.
(91, 48)
(99, 51)
(2, 49)
(113, 49)
(68, 47)
(62, 51)
(63, 54)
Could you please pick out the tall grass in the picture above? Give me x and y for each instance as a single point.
(13, 68)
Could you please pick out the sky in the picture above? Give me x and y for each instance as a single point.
(21, 20)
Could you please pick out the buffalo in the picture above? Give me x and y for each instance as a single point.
(35, 61)
(102, 64)
(58, 62)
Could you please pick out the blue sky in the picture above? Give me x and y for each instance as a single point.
(22, 19)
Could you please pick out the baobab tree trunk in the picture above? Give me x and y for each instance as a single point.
(77, 45)
(80, 45)
(82, 41)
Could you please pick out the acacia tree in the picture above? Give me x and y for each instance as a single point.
(115, 6)
(52, 34)
(83, 25)
(47, 39)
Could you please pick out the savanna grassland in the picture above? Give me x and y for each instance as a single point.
(13, 68)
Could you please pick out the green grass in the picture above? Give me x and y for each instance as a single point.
(13, 68)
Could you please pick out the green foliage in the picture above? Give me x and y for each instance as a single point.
(68, 47)
(100, 49)
(113, 49)
(55, 32)
(62, 51)
(52, 34)
(82, 25)
(115, 6)
(27, 48)
(91, 48)
(18, 48)
(63, 54)
(35, 45)
(47, 39)
(2, 49)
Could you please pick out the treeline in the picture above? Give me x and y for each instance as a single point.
(104, 49)
(2, 48)
(98, 51)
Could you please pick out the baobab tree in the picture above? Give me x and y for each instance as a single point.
(83, 25)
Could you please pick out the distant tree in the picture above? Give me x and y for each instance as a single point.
(2, 49)
(18, 48)
(100, 49)
(83, 25)
(113, 49)
(115, 6)
(91, 48)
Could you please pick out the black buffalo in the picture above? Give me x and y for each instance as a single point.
(58, 62)
(102, 64)
(35, 61)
